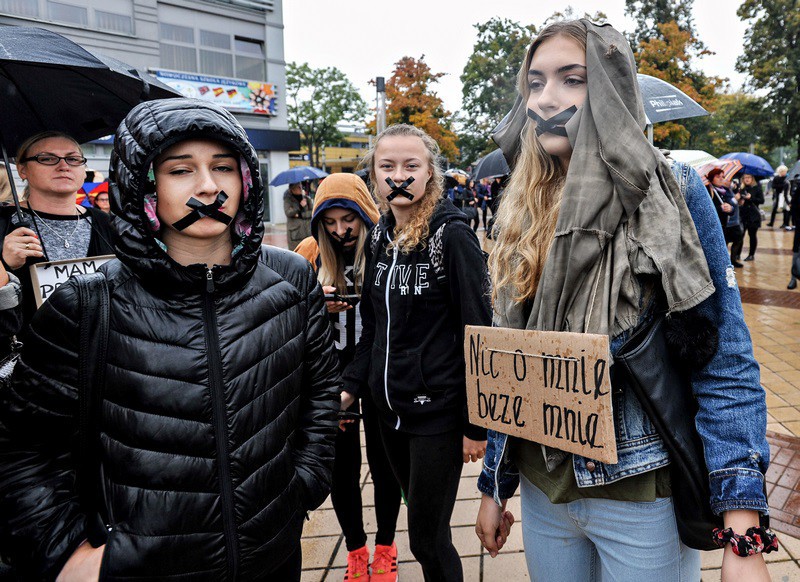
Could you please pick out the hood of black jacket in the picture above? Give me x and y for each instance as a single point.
(148, 130)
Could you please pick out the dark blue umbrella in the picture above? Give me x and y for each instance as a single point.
(298, 174)
(752, 164)
(47, 82)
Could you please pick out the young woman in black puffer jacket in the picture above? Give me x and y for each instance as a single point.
(219, 408)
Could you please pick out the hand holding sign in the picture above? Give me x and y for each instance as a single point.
(551, 388)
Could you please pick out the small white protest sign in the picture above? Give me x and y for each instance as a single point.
(47, 277)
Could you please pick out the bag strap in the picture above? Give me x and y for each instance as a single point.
(92, 352)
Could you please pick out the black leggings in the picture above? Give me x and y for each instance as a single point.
(429, 469)
(346, 486)
(485, 220)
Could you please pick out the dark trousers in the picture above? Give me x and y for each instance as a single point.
(787, 216)
(485, 220)
(346, 486)
(736, 247)
(429, 469)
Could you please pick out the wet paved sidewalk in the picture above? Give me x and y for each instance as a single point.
(773, 315)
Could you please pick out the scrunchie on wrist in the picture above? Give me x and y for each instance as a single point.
(757, 540)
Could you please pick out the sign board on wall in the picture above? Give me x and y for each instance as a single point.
(235, 94)
(551, 388)
(47, 277)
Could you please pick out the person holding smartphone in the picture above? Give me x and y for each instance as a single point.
(345, 212)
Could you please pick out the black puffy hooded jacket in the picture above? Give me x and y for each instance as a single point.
(219, 407)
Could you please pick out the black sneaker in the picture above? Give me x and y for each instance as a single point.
(737, 264)
(749, 258)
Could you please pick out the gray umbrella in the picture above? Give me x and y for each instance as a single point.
(664, 102)
(491, 165)
(795, 171)
(47, 82)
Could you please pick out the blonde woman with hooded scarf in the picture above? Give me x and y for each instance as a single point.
(343, 214)
(598, 233)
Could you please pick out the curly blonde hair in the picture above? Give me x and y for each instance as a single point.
(415, 232)
(528, 212)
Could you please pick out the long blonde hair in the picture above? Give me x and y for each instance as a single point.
(415, 232)
(528, 212)
(332, 265)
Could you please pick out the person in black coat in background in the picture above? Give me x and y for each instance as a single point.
(780, 197)
(751, 197)
(218, 414)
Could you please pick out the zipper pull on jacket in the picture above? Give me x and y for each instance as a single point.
(209, 280)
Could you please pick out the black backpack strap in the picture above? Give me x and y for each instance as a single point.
(92, 352)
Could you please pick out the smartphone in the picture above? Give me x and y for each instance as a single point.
(349, 299)
(347, 415)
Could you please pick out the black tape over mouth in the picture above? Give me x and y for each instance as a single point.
(555, 124)
(200, 210)
(342, 241)
(400, 190)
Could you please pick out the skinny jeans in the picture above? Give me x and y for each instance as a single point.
(346, 483)
(429, 469)
(603, 540)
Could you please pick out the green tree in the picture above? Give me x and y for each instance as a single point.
(668, 56)
(317, 101)
(489, 82)
(411, 99)
(739, 121)
(772, 60)
(650, 13)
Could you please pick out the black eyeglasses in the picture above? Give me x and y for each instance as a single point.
(53, 160)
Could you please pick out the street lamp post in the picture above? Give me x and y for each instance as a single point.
(380, 87)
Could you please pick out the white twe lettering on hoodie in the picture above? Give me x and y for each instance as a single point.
(379, 269)
(402, 277)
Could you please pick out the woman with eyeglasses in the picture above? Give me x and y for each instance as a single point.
(54, 167)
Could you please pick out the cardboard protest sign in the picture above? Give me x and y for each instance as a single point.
(548, 387)
(47, 277)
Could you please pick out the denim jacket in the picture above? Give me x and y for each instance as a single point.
(732, 417)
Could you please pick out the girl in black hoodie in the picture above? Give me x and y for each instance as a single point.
(426, 279)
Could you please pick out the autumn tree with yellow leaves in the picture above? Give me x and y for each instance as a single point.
(411, 99)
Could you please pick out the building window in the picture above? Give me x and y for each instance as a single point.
(216, 53)
(67, 13)
(20, 7)
(173, 32)
(177, 47)
(216, 63)
(249, 59)
(113, 22)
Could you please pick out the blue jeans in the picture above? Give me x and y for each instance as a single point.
(603, 540)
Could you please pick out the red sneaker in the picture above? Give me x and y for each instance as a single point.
(384, 564)
(357, 562)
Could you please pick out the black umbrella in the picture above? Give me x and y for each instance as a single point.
(664, 102)
(47, 82)
(491, 165)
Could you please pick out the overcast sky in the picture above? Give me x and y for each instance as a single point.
(364, 38)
